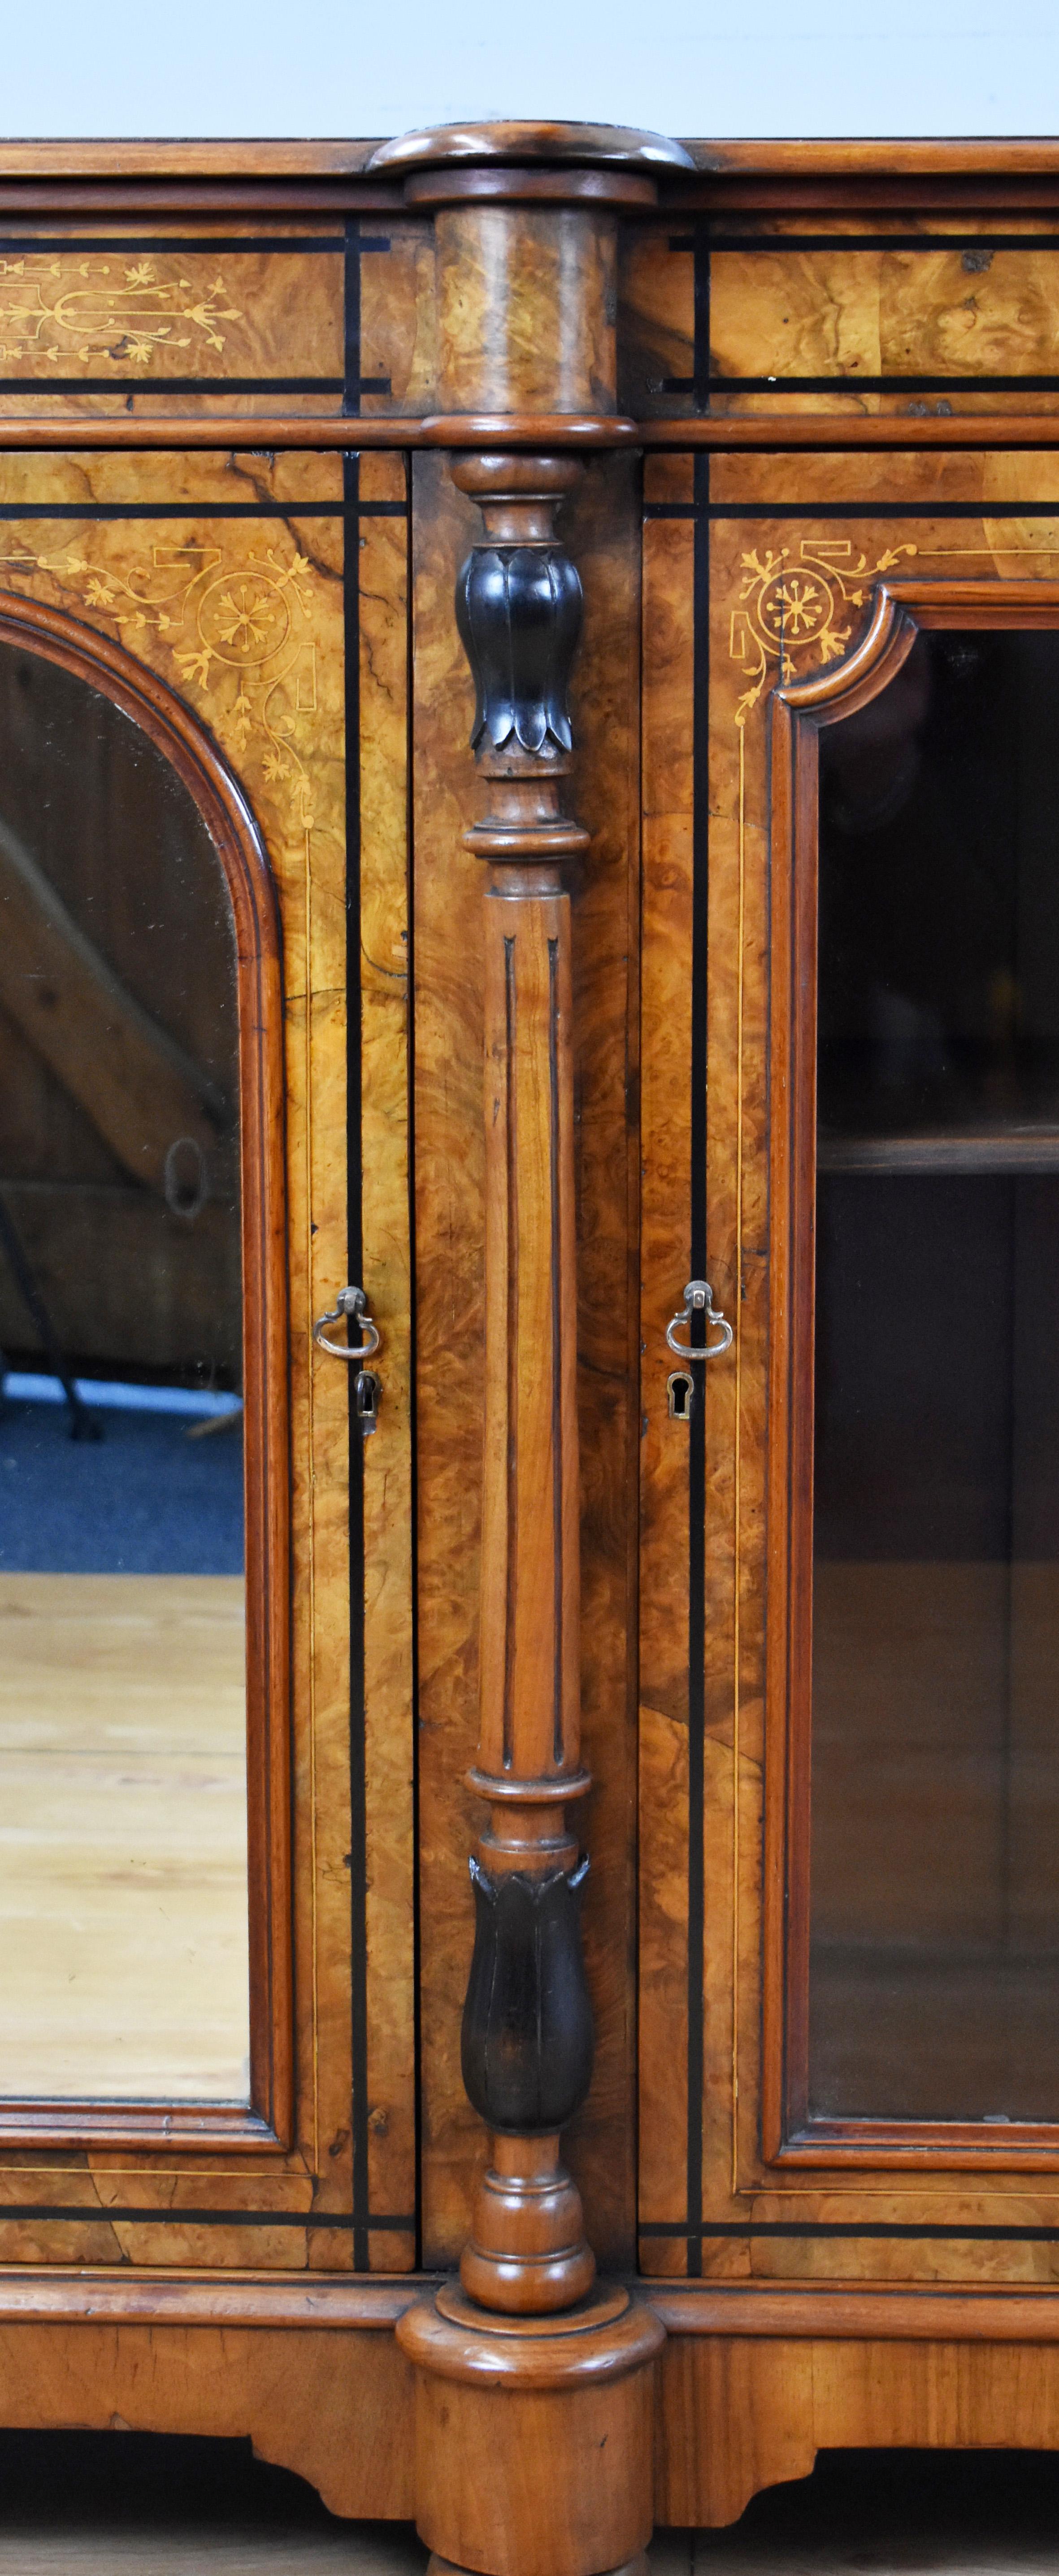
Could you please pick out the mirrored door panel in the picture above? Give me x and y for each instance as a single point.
(123, 1772)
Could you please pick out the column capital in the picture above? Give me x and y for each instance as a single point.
(527, 159)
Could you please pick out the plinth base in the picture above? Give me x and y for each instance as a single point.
(637, 2566)
(534, 2435)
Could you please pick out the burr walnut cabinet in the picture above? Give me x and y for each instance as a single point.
(529, 685)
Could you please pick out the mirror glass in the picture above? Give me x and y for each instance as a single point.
(123, 1801)
(934, 1979)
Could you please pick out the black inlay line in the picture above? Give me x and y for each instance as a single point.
(205, 509)
(701, 379)
(511, 1321)
(351, 388)
(375, 385)
(697, 1425)
(877, 2230)
(170, 2217)
(413, 1392)
(917, 509)
(358, 1836)
(557, 1350)
(950, 384)
(170, 384)
(215, 244)
(974, 242)
(681, 241)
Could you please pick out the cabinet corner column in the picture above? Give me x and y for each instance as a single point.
(534, 2381)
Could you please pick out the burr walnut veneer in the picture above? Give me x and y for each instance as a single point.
(602, 595)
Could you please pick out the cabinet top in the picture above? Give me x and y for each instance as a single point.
(519, 140)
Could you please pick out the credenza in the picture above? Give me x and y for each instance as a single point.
(529, 1011)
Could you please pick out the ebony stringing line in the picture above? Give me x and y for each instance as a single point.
(221, 245)
(917, 509)
(354, 1255)
(169, 2217)
(857, 384)
(351, 387)
(358, 1829)
(413, 1390)
(976, 243)
(201, 510)
(115, 384)
(698, 245)
(842, 2227)
(701, 376)
(697, 1425)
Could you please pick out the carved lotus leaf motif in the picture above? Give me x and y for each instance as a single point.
(519, 614)
(527, 2021)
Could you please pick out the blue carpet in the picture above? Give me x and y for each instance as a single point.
(143, 1499)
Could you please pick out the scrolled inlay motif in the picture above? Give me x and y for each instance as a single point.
(87, 311)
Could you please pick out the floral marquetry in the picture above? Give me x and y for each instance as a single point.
(82, 309)
(257, 313)
(796, 601)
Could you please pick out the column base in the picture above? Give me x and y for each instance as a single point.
(534, 2435)
(638, 2566)
(527, 2254)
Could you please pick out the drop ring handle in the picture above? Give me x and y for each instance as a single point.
(698, 1300)
(353, 1304)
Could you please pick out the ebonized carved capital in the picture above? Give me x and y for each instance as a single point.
(518, 609)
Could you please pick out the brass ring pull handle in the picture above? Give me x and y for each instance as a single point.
(698, 1300)
(353, 1304)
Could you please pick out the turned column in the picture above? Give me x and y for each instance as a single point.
(527, 2029)
(534, 2395)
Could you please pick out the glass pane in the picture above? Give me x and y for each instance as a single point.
(123, 1872)
(934, 1980)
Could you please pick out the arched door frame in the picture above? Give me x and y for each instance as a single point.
(177, 734)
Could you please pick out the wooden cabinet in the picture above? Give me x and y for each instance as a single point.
(560, 643)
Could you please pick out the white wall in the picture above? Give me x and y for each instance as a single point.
(700, 67)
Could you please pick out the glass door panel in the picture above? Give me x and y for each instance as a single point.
(934, 1905)
(124, 1966)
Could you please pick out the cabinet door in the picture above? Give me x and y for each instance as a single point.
(206, 1908)
(850, 1582)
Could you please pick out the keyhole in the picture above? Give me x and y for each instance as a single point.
(680, 1389)
(366, 1400)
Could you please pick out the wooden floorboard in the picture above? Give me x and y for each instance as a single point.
(888, 2513)
(350, 2550)
(86, 2504)
(123, 1867)
(82, 2504)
